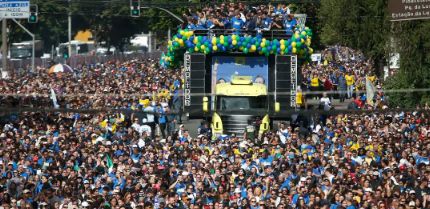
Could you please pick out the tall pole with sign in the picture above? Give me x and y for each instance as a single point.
(11, 9)
(70, 29)
(5, 72)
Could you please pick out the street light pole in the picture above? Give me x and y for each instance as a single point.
(70, 29)
(5, 72)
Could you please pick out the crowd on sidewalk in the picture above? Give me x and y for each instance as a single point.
(343, 74)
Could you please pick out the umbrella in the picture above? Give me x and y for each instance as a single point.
(60, 68)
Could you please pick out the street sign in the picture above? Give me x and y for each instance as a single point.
(17, 9)
(409, 9)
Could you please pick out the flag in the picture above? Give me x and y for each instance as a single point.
(109, 163)
(54, 99)
(370, 91)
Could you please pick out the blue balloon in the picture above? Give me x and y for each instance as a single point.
(248, 46)
(219, 46)
(204, 39)
(278, 50)
(290, 48)
(223, 48)
(269, 48)
(242, 39)
(259, 48)
(179, 36)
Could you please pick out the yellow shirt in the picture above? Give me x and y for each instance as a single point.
(299, 96)
(315, 82)
(349, 80)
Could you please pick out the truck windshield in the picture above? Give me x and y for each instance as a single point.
(241, 103)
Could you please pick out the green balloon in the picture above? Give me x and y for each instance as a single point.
(226, 43)
(264, 50)
(299, 44)
(199, 38)
(245, 50)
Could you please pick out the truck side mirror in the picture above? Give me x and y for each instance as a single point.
(277, 107)
(205, 104)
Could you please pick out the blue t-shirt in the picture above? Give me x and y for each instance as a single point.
(237, 23)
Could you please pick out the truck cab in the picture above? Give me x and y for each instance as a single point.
(240, 103)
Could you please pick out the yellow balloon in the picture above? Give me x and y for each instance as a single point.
(176, 39)
(215, 48)
(196, 49)
(302, 40)
(297, 36)
(221, 37)
(253, 48)
(170, 43)
(241, 48)
(234, 42)
(293, 44)
(297, 33)
(195, 41)
(282, 42)
(191, 33)
(203, 47)
(182, 32)
(181, 42)
(304, 33)
(282, 47)
(311, 51)
(221, 41)
(233, 37)
(294, 50)
(282, 52)
(213, 41)
(263, 44)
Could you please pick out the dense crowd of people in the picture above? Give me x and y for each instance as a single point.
(343, 73)
(118, 160)
(58, 160)
(240, 16)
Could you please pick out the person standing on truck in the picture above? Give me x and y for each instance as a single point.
(300, 99)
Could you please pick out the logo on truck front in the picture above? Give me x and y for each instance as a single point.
(187, 86)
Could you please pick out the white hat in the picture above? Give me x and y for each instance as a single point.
(237, 190)
(85, 204)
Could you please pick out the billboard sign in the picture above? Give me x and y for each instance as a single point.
(14, 9)
(409, 9)
(225, 67)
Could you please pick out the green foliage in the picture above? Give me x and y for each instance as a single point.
(413, 44)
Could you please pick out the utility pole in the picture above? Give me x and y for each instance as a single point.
(5, 72)
(70, 29)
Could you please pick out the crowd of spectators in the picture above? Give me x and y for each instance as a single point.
(343, 73)
(55, 160)
(117, 160)
(240, 16)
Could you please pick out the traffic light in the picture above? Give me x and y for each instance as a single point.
(135, 8)
(32, 18)
(66, 54)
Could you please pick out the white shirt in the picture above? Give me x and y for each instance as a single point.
(145, 128)
(150, 117)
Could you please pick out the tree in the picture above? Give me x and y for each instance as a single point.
(413, 44)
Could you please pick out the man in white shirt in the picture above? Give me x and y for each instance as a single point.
(325, 100)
